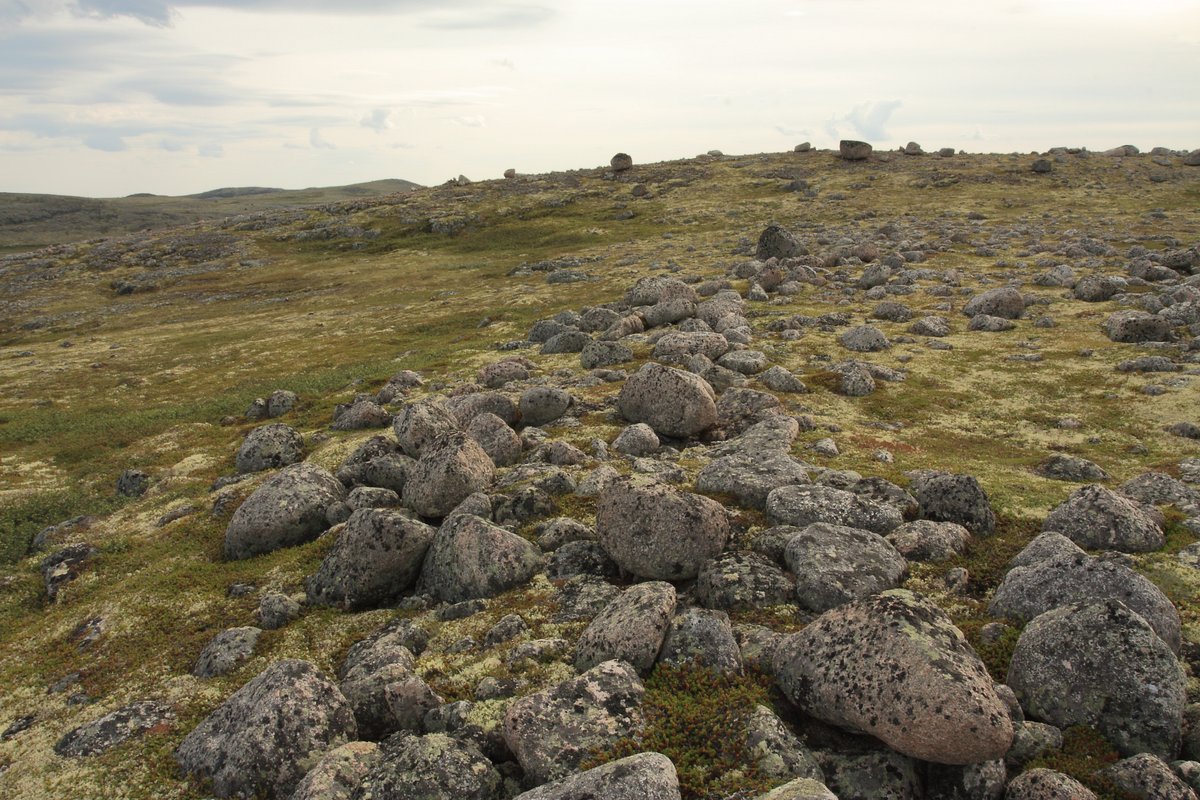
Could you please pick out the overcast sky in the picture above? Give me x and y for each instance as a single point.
(111, 97)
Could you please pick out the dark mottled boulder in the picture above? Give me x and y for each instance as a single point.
(894, 666)
(983, 781)
(115, 729)
(672, 402)
(873, 775)
(498, 373)
(1148, 777)
(1136, 326)
(803, 505)
(431, 767)
(604, 354)
(569, 341)
(1063, 467)
(1032, 590)
(1101, 665)
(379, 680)
(501, 443)
(450, 468)
(659, 533)
(262, 739)
(835, 564)
(645, 776)
(1031, 740)
(853, 150)
(1160, 489)
(777, 242)
(680, 346)
(60, 568)
(1096, 518)
(465, 407)
(552, 731)
(226, 651)
(742, 581)
(630, 628)
(777, 752)
(286, 510)
(360, 415)
(419, 424)
(702, 637)
(133, 483)
(1046, 784)
(339, 772)
(543, 404)
(1004, 302)
(376, 557)
(926, 540)
(864, 339)
(472, 558)
(947, 497)
(750, 476)
(270, 447)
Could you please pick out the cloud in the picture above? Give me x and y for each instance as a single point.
(315, 140)
(379, 120)
(867, 120)
(211, 150)
(107, 141)
(151, 12)
(504, 17)
(472, 121)
(787, 130)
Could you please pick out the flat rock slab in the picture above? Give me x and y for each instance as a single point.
(894, 666)
(115, 729)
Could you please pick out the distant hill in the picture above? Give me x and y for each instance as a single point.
(29, 221)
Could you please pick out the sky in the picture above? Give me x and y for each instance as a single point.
(105, 98)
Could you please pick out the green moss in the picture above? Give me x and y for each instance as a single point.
(21, 519)
(1084, 753)
(693, 716)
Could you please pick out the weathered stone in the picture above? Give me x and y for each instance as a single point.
(287, 509)
(419, 424)
(498, 440)
(704, 638)
(1096, 518)
(803, 505)
(894, 666)
(1046, 784)
(432, 767)
(1148, 777)
(742, 581)
(947, 497)
(645, 776)
(376, 557)
(672, 402)
(851, 150)
(115, 729)
(270, 447)
(750, 476)
(451, 467)
(835, 564)
(1004, 302)
(543, 404)
(926, 540)
(339, 772)
(630, 628)
(775, 751)
(472, 558)
(1136, 326)
(226, 651)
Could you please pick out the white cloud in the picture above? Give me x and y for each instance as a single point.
(378, 120)
(472, 121)
(866, 120)
(318, 142)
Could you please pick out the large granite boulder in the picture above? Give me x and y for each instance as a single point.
(1096, 518)
(645, 776)
(630, 628)
(835, 564)
(286, 510)
(472, 558)
(672, 402)
(375, 558)
(450, 468)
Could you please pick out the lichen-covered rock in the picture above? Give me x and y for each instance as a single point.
(864, 339)
(926, 540)
(946, 497)
(930, 326)
(630, 628)
(286, 510)
(431, 767)
(873, 775)
(1137, 326)
(1101, 665)
(750, 476)
(702, 637)
(60, 568)
(1005, 302)
(598, 354)
(277, 609)
(262, 739)
(471, 558)
(450, 468)
(1045, 545)
(1064, 467)
(1032, 590)
(638, 439)
(742, 581)
(1096, 518)
(498, 440)
(777, 242)
(553, 731)
(775, 751)
(835, 564)
(645, 776)
(672, 402)
(1148, 777)
(376, 673)
(803, 505)
(1160, 489)
(659, 533)
(1046, 784)
(498, 373)
(375, 558)
(359, 415)
(339, 772)
(114, 729)
(270, 447)
(894, 666)
(419, 424)
(465, 407)
(1031, 740)
(543, 404)
(983, 781)
(226, 651)
(799, 789)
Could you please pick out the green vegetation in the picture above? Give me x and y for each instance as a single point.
(1084, 753)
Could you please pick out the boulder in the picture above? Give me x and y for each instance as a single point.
(645, 776)
(775, 751)
(472, 558)
(750, 476)
(799, 789)
(1096, 518)
(432, 767)
(543, 404)
(1147, 777)
(680, 347)
(419, 424)
(339, 772)
(1004, 302)
(864, 339)
(450, 468)
(621, 162)
(498, 440)
(630, 628)
(286, 510)
(1063, 467)
(1136, 326)
(553, 731)
(702, 637)
(115, 729)
(376, 557)
(894, 666)
(947, 497)
(926, 540)
(264, 737)
(465, 407)
(851, 150)
(672, 402)
(226, 651)
(803, 505)
(835, 564)
(270, 447)
(636, 440)
(742, 581)
(604, 354)
(359, 415)
(1046, 784)
(778, 242)
(659, 533)
(1101, 664)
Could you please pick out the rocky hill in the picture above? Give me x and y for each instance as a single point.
(790, 475)
(31, 221)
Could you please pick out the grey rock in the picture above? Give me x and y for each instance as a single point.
(803, 505)
(1148, 777)
(927, 540)
(745, 362)
(1063, 467)
(263, 737)
(338, 773)
(645, 776)
(672, 402)
(60, 568)
(543, 404)
(360, 415)
(450, 468)
(1136, 326)
(498, 373)
(854, 379)
(1032, 590)
(1005, 302)
(371, 497)
(1097, 288)
(946, 497)
(376, 557)
(280, 402)
(472, 558)
(750, 476)
(276, 610)
(270, 447)
(702, 637)
(851, 150)
(874, 775)
(226, 651)
(115, 729)
(776, 751)
(742, 581)
(1096, 518)
(835, 564)
(930, 326)
(1031, 740)
(779, 379)
(419, 424)
(638, 439)
(432, 767)
(604, 354)
(630, 628)
(1101, 665)
(570, 341)
(894, 666)
(864, 339)
(133, 483)
(286, 510)
(799, 789)
(553, 731)
(659, 533)
(989, 324)
(1045, 546)
(1046, 784)
(373, 670)
(465, 407)
(681, 346)
(621, 162)
(777, 242)
(498, 440)
(1160, 489)
(577, 558)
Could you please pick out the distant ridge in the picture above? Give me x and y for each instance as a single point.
(30, 221)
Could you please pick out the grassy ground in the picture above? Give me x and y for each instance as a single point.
(97, 382)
